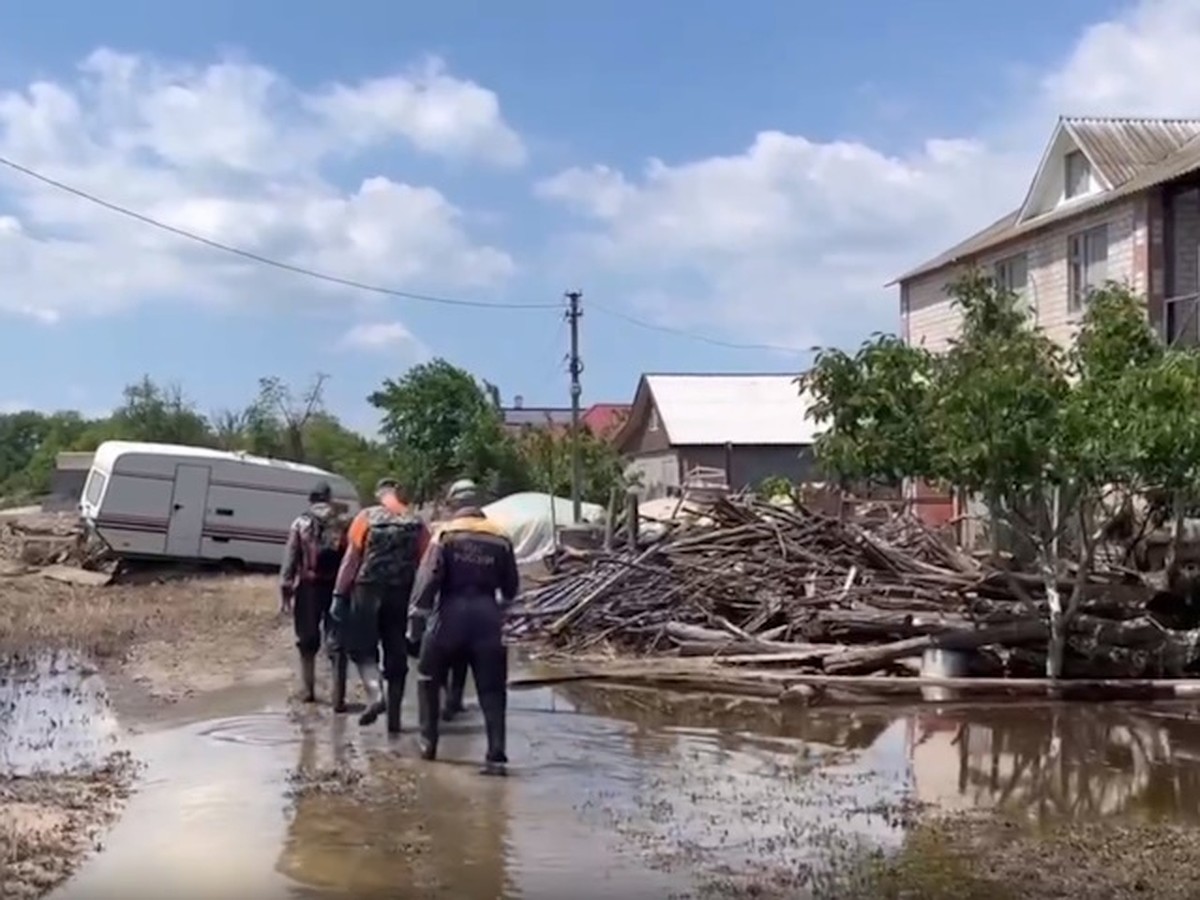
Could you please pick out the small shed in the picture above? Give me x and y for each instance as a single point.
(67, 481)
(749, 426)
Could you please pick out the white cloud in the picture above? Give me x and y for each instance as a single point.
(792, 239)
(381, 336)
(8, 407)
(235, 153)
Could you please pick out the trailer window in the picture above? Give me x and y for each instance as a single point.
(94, 488)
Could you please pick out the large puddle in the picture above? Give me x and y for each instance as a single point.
(611, 791)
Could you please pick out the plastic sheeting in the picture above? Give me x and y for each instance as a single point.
(530, 518)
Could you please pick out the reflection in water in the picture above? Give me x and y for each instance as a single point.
(439, 830)
(54, 715)
(1060, 761)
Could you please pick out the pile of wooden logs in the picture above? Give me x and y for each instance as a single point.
(771, 586)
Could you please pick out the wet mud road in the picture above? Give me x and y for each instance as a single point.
(610, 791)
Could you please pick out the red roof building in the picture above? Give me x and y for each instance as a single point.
(603, 419)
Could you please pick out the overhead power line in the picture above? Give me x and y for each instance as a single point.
(258, 257)
(716, 342)
(361, 285)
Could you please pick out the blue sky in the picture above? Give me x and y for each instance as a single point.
(753, 173)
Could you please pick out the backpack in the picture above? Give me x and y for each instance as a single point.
(324, 541)
(389, 552)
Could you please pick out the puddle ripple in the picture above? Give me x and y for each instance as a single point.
(262, 730)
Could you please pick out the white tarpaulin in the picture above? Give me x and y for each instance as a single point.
(530, 518)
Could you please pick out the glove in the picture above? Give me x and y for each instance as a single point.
(416, 635)
(286, 593)
(339, 610)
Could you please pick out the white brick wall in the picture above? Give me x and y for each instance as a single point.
(932, 320)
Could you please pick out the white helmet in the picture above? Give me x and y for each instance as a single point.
(463, 491)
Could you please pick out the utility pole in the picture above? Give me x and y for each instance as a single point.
(574, 314)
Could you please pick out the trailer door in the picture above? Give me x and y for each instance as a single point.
(188, 502)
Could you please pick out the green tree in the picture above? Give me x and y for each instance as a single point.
(151, 412)
(1043, 436)
(440, 424)
(547, 455)
(875, 406)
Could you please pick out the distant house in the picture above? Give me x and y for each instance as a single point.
(599, 418)
(603, 419)
(67, 480)
(519, 417)
(749, 426)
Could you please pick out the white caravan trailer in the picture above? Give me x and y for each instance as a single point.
(164, 500)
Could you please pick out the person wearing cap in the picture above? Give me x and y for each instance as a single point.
(456, 615)
(456, 676)
(385, 544)
(311, 557)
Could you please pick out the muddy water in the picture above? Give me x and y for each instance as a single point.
(55, 716)
(610, 792)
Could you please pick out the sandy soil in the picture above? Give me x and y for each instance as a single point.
(161, 647)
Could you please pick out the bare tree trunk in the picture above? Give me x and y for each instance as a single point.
(1177, 514)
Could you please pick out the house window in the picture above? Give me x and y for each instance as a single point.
(1012, 274)
(1087, 264)
(1078, 174)
(653, 426)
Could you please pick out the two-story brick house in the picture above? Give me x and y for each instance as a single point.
(1111, 199)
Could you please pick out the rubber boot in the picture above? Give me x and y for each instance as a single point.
(308, 676)
(495, 709)
(429, 697)
(395, 697)
(456, 685)
(369, 673)
(340, 667)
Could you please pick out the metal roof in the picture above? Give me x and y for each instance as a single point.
(1126, 150)
(73, 460)
(1121, 148)
(536, 415)
(732, 409)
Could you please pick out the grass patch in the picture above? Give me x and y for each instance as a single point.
(980, 857)
(36, 613)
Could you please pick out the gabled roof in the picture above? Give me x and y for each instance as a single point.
(602, 417)
(1119, 149)
(716, 409)
(1129, 155)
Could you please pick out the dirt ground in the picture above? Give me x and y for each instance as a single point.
(161, 646)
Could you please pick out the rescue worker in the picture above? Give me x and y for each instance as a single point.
(385, 544)
(455, 615)
(456, 675)
(316, 541)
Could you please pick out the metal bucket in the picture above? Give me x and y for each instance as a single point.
(938, 663)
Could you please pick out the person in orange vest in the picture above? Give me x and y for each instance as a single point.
(467, 578)
(385, 544)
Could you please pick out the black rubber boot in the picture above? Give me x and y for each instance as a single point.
(395, 698)
(456, 685)
(495, 710)
(372, 684)
(308, 677)
(429, 696)
(340, 669)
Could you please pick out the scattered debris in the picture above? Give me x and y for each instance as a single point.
(40, 540)
(768, 587)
